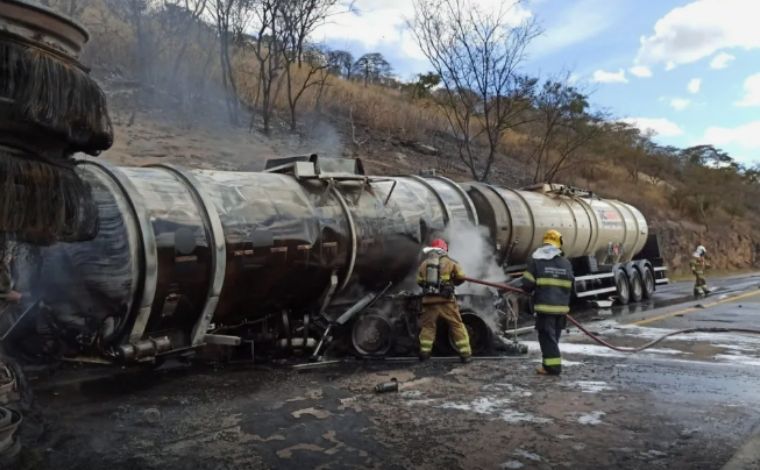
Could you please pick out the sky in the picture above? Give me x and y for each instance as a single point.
(689, 71)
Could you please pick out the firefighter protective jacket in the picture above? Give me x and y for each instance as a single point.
(698, 265)
(549, 277)
(450, 273)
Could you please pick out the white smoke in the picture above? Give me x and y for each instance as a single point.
(469, 245)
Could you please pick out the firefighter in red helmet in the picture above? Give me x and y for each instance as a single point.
(437, 275)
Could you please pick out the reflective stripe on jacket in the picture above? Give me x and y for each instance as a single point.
(551, 282)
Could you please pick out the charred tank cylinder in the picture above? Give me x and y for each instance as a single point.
(181, 249)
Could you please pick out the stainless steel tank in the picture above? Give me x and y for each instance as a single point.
(610, 230)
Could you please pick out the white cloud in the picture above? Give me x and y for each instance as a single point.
(377, 23)
(694, 85)
(602, 76)
(641, 71)
(721, 61)
(751, 91)
(746, 136)
(576, 22)
(659, 126)
(679, 104)
(700, 29)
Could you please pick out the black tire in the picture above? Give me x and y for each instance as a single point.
(623, 287)
(478, 331)
(637, 287)
(648, 283)
(372, 335)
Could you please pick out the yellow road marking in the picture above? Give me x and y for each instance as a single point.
(694, 309)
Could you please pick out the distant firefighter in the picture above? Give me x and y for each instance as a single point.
(698, 265)
(438, 274)
(549, 277)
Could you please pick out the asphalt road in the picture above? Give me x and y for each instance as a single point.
(690, 402)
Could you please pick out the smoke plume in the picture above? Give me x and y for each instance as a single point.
(469, 246)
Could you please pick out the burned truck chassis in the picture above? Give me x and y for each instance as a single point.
(378, 325)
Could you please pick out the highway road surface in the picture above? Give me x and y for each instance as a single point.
(691, 402)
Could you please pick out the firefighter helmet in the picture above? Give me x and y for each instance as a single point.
(440, 244)
(553, 237)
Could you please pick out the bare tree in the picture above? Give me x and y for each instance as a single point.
(563, 126)
(477, 54)
(135, 13)
(298, 20)
(266, 47)
(372, 67)
(230, 18)
(322, 80)
(180, 17)
(340, 63)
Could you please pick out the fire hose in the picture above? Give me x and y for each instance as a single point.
(597, 339)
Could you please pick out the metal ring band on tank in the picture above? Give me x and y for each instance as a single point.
(215, 232)
(352, 230)
(429, 187)
(509, 220)
(467, 201)
(148, 242)
(621, 206)
(43, 27)
(131, 226)
(530, 213)
(593, 222)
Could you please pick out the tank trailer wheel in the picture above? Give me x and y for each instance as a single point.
(637, 289)
(623, 288)
(478, 331)
(372, 335)
(649, 283)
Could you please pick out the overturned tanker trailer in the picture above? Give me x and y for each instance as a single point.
(307, 257)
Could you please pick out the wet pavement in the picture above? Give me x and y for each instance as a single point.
(689, 402)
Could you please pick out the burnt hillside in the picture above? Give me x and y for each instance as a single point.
(175, 95)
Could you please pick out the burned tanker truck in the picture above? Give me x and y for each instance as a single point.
(310, 257)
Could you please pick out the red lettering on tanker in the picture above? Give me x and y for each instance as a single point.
(609, 217)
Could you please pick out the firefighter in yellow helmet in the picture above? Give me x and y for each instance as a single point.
(549, 278)
(437, 275)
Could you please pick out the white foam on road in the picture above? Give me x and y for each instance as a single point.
(511, 389)
(590, 386)
(514, 416)
(593, 418)
(739, 359)
(497, 408)
(602, 351)
(716, 339)
(410, 393)
(482, 405)
(527, 455)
